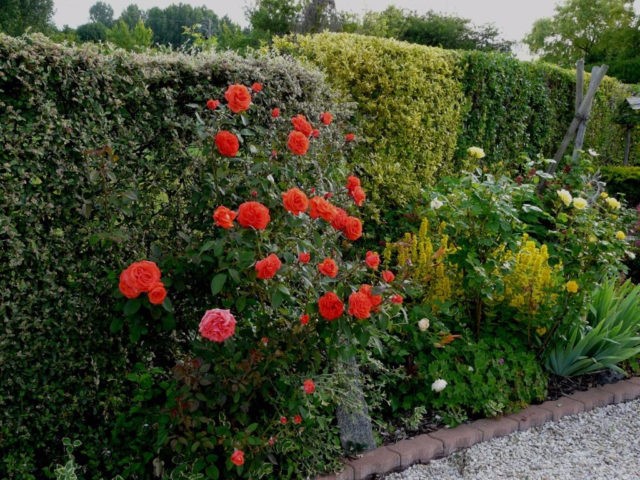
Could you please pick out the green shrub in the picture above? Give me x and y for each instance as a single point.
(409, 106)
(95, 174)
(623, 181)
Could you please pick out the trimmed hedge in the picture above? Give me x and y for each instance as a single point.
(420, 108)
(96, 155)
(623, 181)
(409, 106)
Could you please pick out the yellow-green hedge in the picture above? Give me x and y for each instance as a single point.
(409, 105)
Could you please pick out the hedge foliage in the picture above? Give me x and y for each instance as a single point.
(94, 175)
(409, 105)
(623, 181)
(420, 108)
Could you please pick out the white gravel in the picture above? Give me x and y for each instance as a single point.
(603, 444)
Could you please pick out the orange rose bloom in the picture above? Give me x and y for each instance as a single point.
(238, 98)
(227, 143)
(376, 300)
(326, 118)
(224, 217)
(253, 214)
(372, 259)
(304, 257)
(144, 274)
(359, 305)
(157, 294)
(352, 228)
(212, 104)
(330, 306)
(322, 208)
(256, 87)
(301, 125)
(328, 267)
(315, 133)
(358, 196)
(295, 201)
(349, 137)
(237, 458)
(268, 267)
(298, 143)
(127, 285)
(339, 219)
(397, 299)
(352, 182)
(304, 319)
(275, 112)
(388, 276)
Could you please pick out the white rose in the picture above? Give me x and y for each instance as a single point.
(436, 204)
(423, 324)
(565, 196)
(438, 385)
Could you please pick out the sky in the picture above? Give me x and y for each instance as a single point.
(514, 18)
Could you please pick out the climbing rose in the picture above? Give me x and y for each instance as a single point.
(330, 306)
(358, 196)
(376, 300)
(304, 257)
(308, 386)
(322, 208)
(326, 118)
(238, 98)
(275, 112)
(388, 276)
(359, 305)
(579, 203)
(128, 286)
(212, 104)
(339, 220)
(157, 294)
(237, 458)
(217, 325)
(298, 143)
(372, 259)
(143, 275)
(227, 143)
(224, 217)
(253, 214)
(256, 87)
(353, 228)
(295, 201)
(268, 267)
(301, 125)
(328, 267)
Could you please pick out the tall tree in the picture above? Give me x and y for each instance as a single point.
(137, 39)
(273, 17)
(101, 12)
(581, 29)
(317, 16)
(132, 15)
(168, 24)
(16, 16)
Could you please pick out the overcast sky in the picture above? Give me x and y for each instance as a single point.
(514, 18)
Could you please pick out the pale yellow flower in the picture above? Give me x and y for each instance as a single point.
(572, 286)
(579, 203)
(476, 152)
(593, 239)
(541, 331)
(423, 324)
(565, 196)
(612, 203)
(620, 235)
(604, 195)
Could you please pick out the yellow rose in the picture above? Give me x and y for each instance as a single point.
(565, 196)
(579, 203)
(604, 195)
(572, 286)
(612, 203)
(620, 235)
(476, 152)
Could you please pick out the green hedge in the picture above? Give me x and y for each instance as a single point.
(623, 181)
(93, 176)
(420, 108)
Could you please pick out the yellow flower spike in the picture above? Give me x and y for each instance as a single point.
(572, 286)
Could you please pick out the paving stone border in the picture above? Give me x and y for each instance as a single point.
(444, 442)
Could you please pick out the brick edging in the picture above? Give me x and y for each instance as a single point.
(443, 442)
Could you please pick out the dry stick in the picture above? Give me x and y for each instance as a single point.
(579, 83)
(582, 128)
(580, 116)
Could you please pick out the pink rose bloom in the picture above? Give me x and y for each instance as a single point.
(217, 325)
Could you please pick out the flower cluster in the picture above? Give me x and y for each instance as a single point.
(142, 277)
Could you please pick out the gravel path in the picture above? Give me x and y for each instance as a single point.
(603, 444)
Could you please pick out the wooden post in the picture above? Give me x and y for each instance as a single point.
(581, 115)
(582, 128)
(579, 83)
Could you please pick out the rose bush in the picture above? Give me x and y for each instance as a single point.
(289, 298)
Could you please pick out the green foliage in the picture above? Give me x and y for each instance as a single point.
(609, 336)
(92, 32)
(273, 17)
(101, 12)
(168, 24)
(17, 16)
(137, 38)
(624, 181)
(409, 107)
(94, 176)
